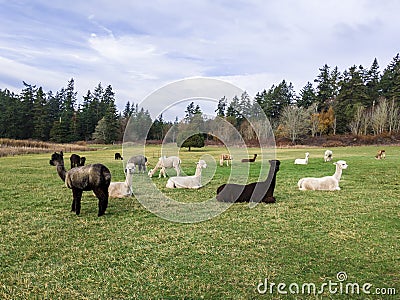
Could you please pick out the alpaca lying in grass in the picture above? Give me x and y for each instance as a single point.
(381, 154)
(140, 162)
(188, 182)
(225, 157)
(94, 177)
(122, 189)
(328, 155)
(327, 183)
(254, 192)
(250, 159)
(172, 162)
(302, 161)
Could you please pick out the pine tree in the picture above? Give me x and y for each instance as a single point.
(307, 96)
(27, 105)
(390, 81)
(41, 130)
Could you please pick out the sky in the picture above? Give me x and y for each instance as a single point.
(138, 47)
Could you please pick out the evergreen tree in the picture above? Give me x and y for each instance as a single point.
(221, 107)
(27, 105)
(41, 130)
(353, 93)
(372, 81)
(390, 80)
(307, 96)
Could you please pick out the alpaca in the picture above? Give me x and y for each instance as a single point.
(250, 159)
(328, 155)
(188, 182)
(327, 183)
(166, 162)
(118, 156)
(140, 161)
(94, 177)
(381, 154)
(225, 157)
(254, 192)
(302, 161)
(122, 189)
(75, 160)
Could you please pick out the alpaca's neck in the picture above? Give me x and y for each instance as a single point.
(128, 179)
(198, 171)
(338, 173)
(61, 171)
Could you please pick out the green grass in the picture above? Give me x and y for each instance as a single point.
(47, 252)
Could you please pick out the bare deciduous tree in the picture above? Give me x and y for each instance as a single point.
(294, 122)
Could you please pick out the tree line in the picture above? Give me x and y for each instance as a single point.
(359, 100)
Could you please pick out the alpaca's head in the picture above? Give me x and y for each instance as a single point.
(275, 164)
(57, 159)
(201, 164)
(341, 164)
(130, 168)
(83, 160)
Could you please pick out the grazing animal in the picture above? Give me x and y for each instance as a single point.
(381, 154)
(118, 156)
(75, 160)
(94, 177)
(328, 155)
(83, 160)
(171, 162)
(302, 161)
(225, 157)
(140, 162)
(262, 191)
(122, 189)
(250, 159)
(188, 182)
(327, 183)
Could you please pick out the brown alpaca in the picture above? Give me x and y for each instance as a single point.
(225, 157)
(381, 154)
(254, 192)
(250, 159)
(94, 177)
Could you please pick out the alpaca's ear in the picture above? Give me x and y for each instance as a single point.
(61, 153)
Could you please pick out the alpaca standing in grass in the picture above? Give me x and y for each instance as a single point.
(328, 155)
(225, 157)
(140, 162)
(94, 177)
(254, 192)
(171, 162)
(122, 189)
(327, 183)
(188, 182)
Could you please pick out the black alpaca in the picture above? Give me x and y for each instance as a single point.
(83, 160)
(94, 177)
(250, 159)
(117, 156)
(75, 160)
(262, 191)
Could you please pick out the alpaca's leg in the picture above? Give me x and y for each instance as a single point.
(102, 195)
(76, 202)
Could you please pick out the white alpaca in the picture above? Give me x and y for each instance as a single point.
(328, 155)
(166, 162)
(302, 161)
(188, 182)
(327, 183)
(122, 189)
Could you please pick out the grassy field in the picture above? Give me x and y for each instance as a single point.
(47, 252)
